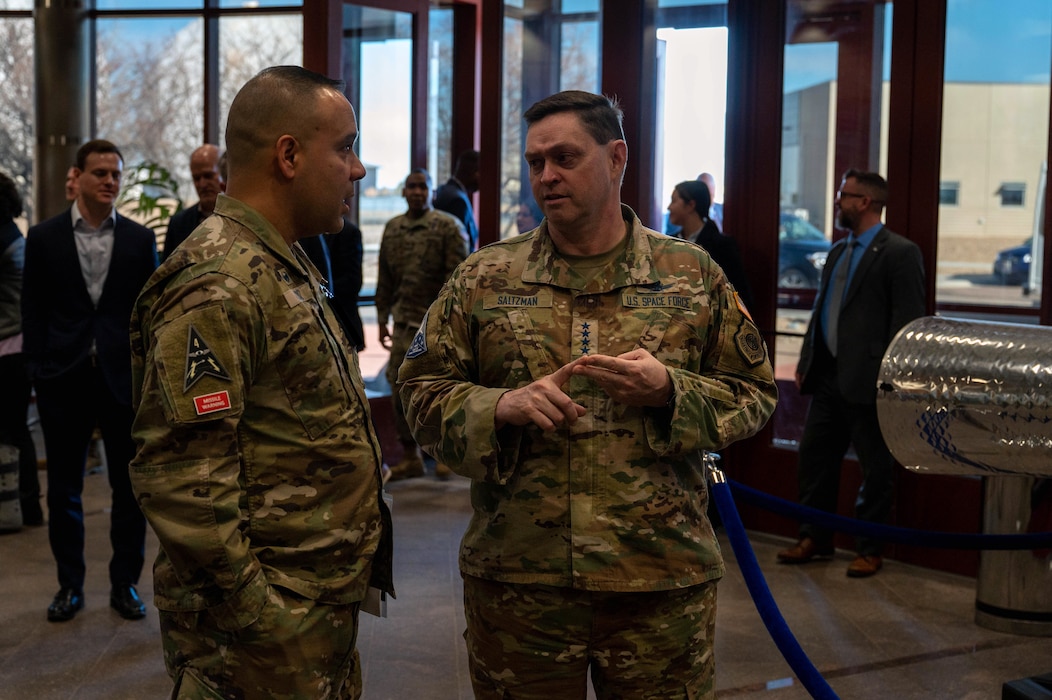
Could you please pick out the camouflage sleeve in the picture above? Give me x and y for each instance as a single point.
(196, 348)
(733, 394)
(451, 416)
(384, 279)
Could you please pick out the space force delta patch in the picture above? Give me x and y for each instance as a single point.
(201, 362)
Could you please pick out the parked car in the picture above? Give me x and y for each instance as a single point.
(802, 251)
(1012, 265)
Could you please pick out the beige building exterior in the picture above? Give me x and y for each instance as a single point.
(994, 144)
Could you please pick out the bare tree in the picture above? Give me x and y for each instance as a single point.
(16, 105)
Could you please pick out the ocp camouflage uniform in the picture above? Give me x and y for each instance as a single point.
(417, 256)
(616, 502)
(257, 467)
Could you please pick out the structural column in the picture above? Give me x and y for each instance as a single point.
(63, 45)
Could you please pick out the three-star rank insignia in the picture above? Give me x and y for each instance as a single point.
(200, 360)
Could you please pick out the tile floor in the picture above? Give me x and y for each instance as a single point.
(906, 633)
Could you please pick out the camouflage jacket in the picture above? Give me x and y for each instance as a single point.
(617, 502)
(417, 256)
(256, 460)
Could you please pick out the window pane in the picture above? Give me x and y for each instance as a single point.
(150, 92)
(994, 141)
(804, 222)
(141, 5)
(16, 107)
(515, 185)
(543, 54)
(248, 44)
(1013, 194)
(378, 50)
(574, 6)
(687, 3)
(949, 193)
(440, 96)
(579, 52)
(693, 133)
(260, 3)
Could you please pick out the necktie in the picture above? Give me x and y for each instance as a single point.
(836, 294)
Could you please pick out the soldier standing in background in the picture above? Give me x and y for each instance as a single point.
(577, 374)
(257, 463)
(418, 252)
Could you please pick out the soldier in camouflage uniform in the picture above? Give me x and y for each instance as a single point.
(257, 465)
(418, 252)
(576, 374)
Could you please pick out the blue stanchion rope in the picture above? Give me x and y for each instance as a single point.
(772, 618)
(888, 533)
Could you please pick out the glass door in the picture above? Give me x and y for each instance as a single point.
(378, 69)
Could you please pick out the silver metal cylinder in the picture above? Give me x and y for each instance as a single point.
(975, 398)
(968, 397)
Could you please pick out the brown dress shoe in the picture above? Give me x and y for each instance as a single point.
(864, 566)
(804, 551)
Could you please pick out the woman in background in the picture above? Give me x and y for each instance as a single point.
(689, 209)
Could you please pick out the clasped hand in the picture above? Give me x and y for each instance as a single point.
(634, 378)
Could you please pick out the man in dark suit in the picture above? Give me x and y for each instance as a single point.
(872, 285)
(83, 271)
(208, 170)
(454, 197)
(338, 256)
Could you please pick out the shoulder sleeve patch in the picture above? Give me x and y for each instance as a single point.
(749, 343)
(198, 366)
(200, 360)
(419, 345)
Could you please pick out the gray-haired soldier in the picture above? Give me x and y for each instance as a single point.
(257, 465)
(576, 374)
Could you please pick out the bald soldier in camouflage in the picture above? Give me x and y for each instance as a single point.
(418, 252)
(576, 374)
(257, 465)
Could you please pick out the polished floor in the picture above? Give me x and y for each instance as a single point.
(906, 633)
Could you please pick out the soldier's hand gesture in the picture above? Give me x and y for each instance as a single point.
(542, 403)
(635, 378)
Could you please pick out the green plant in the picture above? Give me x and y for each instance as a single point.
(150, 195)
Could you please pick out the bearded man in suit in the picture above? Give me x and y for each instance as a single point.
(872, 285)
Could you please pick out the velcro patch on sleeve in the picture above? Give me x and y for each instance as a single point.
(749, 343)
(419, 345)
(200, 368)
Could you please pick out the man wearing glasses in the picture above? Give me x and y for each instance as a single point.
(872, 285)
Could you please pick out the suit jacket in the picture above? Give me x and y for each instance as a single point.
(886, 292)
(180, 226)
(341, 255)
(453, 199)
(59, 322)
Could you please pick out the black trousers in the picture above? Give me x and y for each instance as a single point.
(14, 431)
(832, 425)
(70, 407)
